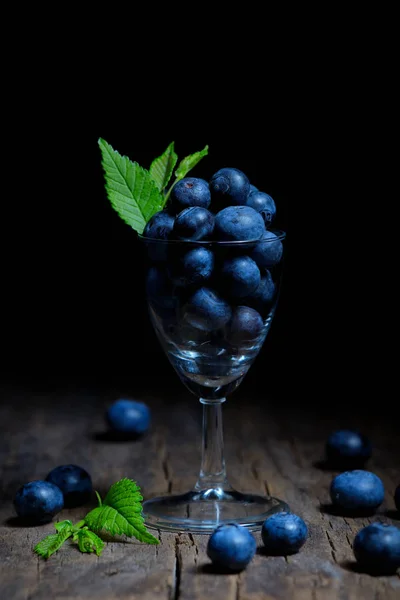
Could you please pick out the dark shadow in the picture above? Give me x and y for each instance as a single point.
(392, 514)
(263, 551)
(335, 466)
(212, 569)
(114, 436)
(336, 511)
(355, 567)
(20, 522)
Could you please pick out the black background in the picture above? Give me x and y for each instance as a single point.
(73, 307)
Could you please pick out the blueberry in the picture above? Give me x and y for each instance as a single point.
(194, 223)
(283, 533)
(240, 276)
(189, 191)
(262, 298)
(264, 204)
(74, 482)
(38, 501)
(192, 267)
(128, 416)
(376, 548)
(158, 227)
(246, 326)
(397, 497)
(229, 187)
(357, 490)
(235, 223)
(253, 188)
(160, 290)
(206, 310)
(231, 547)
(345, 447)
(268, 251)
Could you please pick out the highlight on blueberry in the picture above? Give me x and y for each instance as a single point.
(357, 490)
(347, 448)
(128, 416)
(376, 548)
(284, 533)
(74, 482)
(231, 547)
(38, 501)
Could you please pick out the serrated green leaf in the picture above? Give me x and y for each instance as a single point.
(88, 541)
(130, 188)
(162, 167)
(52, 542)
(121, 513)
(189, 162)
(61, 525)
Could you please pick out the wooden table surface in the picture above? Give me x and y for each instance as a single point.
(269, 448)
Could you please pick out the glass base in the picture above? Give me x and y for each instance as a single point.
(202, 511)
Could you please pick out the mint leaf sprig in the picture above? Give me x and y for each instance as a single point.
(120, 513)
(136, 193)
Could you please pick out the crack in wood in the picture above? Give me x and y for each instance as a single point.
(332, 545)
(267, 488)
(254, 471)
(177, 569)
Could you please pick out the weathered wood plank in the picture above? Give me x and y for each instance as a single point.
(266, 450)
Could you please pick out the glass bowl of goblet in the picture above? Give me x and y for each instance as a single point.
(212, 304)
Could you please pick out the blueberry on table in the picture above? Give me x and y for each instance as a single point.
(377, 548)
(347, 447)
(192, 267)
(245, 327)
(38, 501)
(268, 251)
(357, 490)
(74, 482)
(189, 191)
(229, 187)
(128, 416)
(236, 223)
(264, 204)
(397, 497)
(231, 547)
(240, 276)
(207, 310)
(283, 533)
(193, 223)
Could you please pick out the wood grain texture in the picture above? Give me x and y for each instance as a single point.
(268, 449)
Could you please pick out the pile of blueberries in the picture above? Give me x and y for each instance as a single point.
(216, 287)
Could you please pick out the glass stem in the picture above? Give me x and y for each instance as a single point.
(212, 471)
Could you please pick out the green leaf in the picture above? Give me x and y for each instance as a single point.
(53, 542)
(121, 513)
(162, 167)
(189, 162)
(130, 188)
(61, 525)
(88, 541)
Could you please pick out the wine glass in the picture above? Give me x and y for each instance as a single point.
(211, 310)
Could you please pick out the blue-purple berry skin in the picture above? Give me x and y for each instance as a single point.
(207, 310)
(397, 497)
(246, 326)
(192, 267)
(194, 223)
(38, 501)
(376, 548)
(268, 251)
(189, 191)
(238, 223)
(357, 490)
(231, 547)
(264, 204)
(347, 447)
(229, 187)
(159, 227)
(284, 533)
(74, 482)
(262, 298)
(128, 416)
(240, 276)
